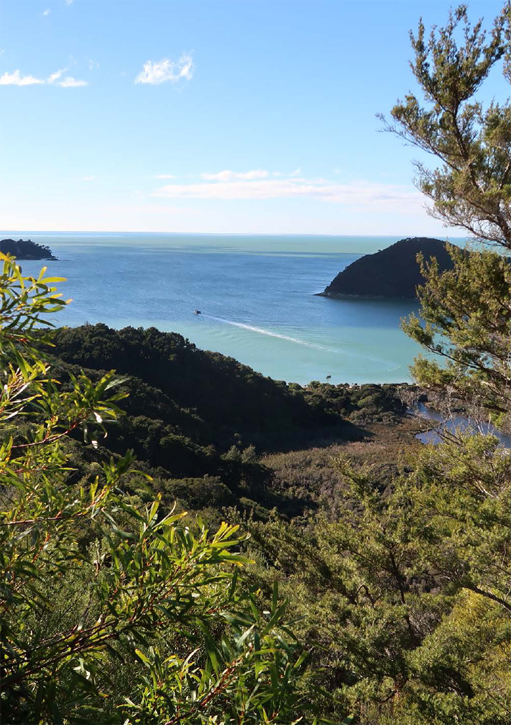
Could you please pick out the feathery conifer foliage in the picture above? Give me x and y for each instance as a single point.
(471, 188)
(466, 310)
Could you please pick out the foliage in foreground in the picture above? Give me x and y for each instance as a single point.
(113, 612)
(405, 591)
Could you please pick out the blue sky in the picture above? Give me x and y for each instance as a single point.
(239, 116)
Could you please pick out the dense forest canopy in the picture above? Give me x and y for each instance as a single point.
(191, 414)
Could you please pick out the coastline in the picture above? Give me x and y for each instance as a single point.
(272, 321)
(344, 296)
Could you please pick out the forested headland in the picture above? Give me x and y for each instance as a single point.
(201, 422)
(391, 273)
(26, 249)
(186, 541)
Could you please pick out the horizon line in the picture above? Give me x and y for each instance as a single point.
(213, 234)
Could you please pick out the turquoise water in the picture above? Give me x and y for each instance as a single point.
(256, 294)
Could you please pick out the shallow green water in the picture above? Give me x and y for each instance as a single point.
(256, 294)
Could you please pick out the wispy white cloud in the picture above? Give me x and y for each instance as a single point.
(55, 79)
(16, 79)
(164, 176)
(88, 178)
(232, 175)
(93, 65)
(166, 70)
(359, 194)
(70, 82)
(296, 172)
(46, 12)
(152, 209)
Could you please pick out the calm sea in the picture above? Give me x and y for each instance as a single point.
(256, 294)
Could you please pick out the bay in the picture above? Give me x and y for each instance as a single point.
(256, 295)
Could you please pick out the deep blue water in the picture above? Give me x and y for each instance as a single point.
(256, 295)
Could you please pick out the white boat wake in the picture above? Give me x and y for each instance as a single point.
(261, 331)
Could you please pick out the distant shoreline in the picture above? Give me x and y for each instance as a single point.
(340, 296)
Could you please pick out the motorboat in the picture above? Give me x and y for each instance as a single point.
(197, 312)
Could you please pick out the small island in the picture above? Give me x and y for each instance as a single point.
(391, 273)
(26, 249)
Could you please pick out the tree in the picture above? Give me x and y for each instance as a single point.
(407, 593)
(467, 310)
(471, 188)
(463, 486)
(112, 611)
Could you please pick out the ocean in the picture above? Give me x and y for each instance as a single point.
(256, 295)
